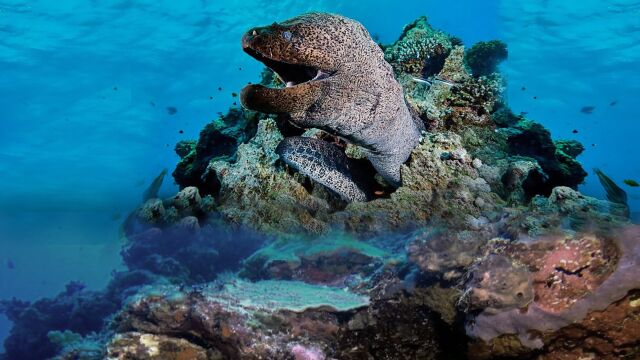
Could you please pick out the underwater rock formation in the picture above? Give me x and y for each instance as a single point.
(278, 320)
(501, 165)
(575, 279)
(75, 310)
(218, 140)
(182, 238)
(257, 192)
(557, 159)
(242, 320)
(486, 250)
(333, 260)
(483, 58)
(445, 253)
(422, 51)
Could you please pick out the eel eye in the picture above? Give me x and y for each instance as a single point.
(287, 36)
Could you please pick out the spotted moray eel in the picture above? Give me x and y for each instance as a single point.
(337, 80)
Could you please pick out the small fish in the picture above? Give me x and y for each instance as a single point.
(234, 94)
(523, 88)
(152, 103)
(587, 109)
(181, 131)
(171, 110)
(10, 264)
(575, 131)
(631, 182)
(613, 103)
(443, 81)
(420, 80)
(432, 80)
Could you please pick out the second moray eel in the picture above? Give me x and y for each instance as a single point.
(337, 80)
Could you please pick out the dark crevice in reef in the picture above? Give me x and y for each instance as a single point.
(557, 159)
(433, 66)
(218, 140)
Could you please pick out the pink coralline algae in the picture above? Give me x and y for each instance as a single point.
(301, 352)
(571, 278)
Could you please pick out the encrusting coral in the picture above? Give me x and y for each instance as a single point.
(483, 58)
(572, 277)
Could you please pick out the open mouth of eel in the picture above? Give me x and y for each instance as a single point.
(290, 74)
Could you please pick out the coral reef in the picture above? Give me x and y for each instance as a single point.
(483, 58)
(73, 310)
(573, 279)
(255, 191)
(334, 259)
(279, 320)
(557, 159)
(271, 319)
(181, 239)
(486, 250)
(218, 140)
(422, 51)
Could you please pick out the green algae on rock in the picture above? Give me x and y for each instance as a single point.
(256, 191)
(218, 140)
(483, 58)
(421, 50)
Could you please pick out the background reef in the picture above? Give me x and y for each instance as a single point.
(487, 249)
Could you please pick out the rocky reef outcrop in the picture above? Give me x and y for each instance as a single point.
(218, 140)
(487, 250)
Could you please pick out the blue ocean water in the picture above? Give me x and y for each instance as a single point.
(86, 87)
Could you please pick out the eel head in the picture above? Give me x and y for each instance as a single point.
(308, 53)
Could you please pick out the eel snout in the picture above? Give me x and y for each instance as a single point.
(302, 78)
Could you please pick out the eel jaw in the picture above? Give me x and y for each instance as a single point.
(290, 74)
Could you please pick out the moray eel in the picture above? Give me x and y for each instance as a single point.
(337, 80)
